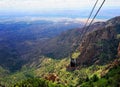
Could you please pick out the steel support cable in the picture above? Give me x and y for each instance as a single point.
(91, 13)
(96, 14)
(84, 28)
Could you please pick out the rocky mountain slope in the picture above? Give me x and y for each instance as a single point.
(100, 46)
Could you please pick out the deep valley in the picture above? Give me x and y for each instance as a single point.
(38, 54)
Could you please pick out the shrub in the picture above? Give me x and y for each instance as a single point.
(95, 78)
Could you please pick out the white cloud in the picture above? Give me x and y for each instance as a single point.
(38, 5)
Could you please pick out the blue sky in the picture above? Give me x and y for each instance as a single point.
(43, 7)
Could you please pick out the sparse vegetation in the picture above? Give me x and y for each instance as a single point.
(52, 66)
(75, 54)
(36, 82)
(111, 79)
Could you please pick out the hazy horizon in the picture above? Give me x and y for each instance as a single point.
(57, 8)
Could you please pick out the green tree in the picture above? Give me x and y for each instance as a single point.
(95, 78)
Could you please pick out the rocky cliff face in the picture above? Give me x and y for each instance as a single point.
(100, 46)
(119, 50)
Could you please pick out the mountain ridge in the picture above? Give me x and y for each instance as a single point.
(101, 45)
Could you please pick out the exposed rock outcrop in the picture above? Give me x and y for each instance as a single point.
(100, 46)
(119, 50)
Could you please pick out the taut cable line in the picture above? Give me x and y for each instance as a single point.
(84, 28)
(91, 13)
(87, 28)
(95, 15)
